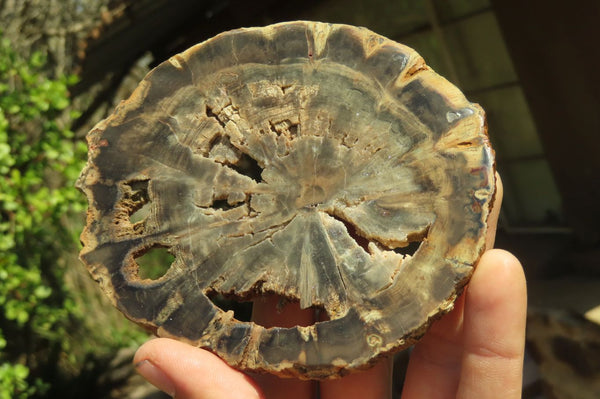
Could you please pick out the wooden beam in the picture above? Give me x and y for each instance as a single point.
(166, 27)
(125, 39)
(554, 47)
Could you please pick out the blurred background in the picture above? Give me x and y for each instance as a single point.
(65, 64)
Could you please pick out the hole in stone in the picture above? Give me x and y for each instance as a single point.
(213, 142)
(139, 190)
(279, 311)
(321, 315)
(154, 262)
(242, 310)
(410, 249)
(221, 204)
(293, 130)
(277, 306)
(137, 199)
(211, 114)
(248, 166)
(285, 88)
(273, 128)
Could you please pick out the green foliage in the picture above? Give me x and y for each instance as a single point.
(39, 162)
(155, 263)
(13, 381)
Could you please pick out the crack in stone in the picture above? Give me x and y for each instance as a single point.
(211, 114)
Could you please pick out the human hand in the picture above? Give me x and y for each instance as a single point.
(475, 351)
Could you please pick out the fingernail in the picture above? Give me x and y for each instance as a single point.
(156, 377)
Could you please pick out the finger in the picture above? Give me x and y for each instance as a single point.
(494, 329)
(434, 366)
(435, 363)
(275, 387)
(494, 214)
(273, 311)
(373, 383)
(187, 372)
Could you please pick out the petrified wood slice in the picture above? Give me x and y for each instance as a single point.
(297, 159)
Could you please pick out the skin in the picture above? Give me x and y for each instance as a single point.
(475, 351)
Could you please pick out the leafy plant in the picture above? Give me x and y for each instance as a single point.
(39, 161)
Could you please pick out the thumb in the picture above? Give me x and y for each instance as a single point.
(186, 372)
